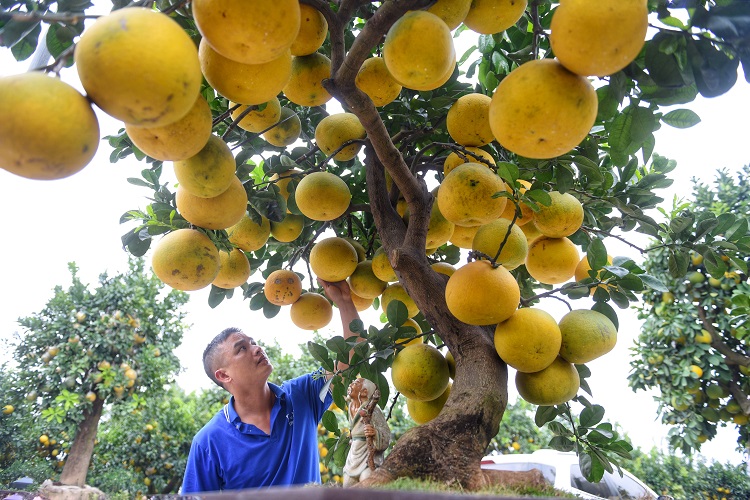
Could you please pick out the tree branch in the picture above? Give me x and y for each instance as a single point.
(731, 357)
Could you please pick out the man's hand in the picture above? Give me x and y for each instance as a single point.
(338, 292)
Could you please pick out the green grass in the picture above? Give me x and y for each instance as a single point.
(409, 484)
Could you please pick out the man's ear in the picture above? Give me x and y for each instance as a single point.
(222, 376)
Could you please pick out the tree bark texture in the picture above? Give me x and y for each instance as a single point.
(77, 464)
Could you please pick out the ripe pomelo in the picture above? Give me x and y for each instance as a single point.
(283, 287)
(209, 172)
(286, 131)
(493, 16)
(178, 140)
(465, 196)
(37, 140)
(412, 335)
(288, 229)
(463, 236)
(311, 311)
(490, 236)
(439, 230)
(420, 372)
(234, 269)
(138, 41)
(396, 291)
(364, 283)
(186, 259)
(424, 411)
(479, 294)
(305, 87)
(472, 155)
(248, 32)
(529, 340)
(361, 304)
(552, 260)
(335, 130)
(452, 12)
(333, 259)
(554, 385)
(256, 121)
(322, 196)
(468, 121)
(586, 335)
(531, 232)
(583, 268)
(245, 83)
(443, 268)
(219, 212)
(562, 217)
(418, 50)
(282, 180)
(361, 252)
(526, 213)
(375, 80)
(312, 31)
(381, 266)
(541, 110)
(598, 38)
(248, 235)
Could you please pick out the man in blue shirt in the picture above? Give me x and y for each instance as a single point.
(266, 435)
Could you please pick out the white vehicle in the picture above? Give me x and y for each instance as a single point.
(561, 470)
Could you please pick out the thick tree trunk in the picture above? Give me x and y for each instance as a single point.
(77, 464)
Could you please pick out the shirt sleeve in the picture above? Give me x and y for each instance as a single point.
(201, 473)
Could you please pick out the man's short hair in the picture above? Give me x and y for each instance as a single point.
(211, 354)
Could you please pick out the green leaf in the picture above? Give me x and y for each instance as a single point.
(397, 313)
(607, 310)
(341, 450)
(340, 347)
(592, 415)
(715, 72)
(681, 118)
(562, 443)
(216, 296)
(559, 429)
(257, 302)
(24, 48)
(545, 414)
(653, 282)
(330, 422)
(591, 467)
(270, 310)
(321, 355)
(597, 254)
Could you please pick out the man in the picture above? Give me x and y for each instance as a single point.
(266, 435)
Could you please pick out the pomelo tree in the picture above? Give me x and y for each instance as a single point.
(89, 351)
(693, 346)
(562, 99)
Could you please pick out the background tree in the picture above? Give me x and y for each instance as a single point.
(91, 348)
(613, 173)
(693, 346)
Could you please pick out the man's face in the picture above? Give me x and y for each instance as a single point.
(244, 360)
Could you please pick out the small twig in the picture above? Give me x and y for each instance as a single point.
(302, 250)
(226, 114)
(235, 122)
(336, 151)
(34, 16)
(393, 404)
(538, 30)
(174, 7)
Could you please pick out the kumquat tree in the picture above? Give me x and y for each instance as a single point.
(455, 190)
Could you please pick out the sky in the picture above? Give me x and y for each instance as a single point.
(47, 224)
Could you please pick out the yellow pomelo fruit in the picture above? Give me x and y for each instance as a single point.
(374, 80)
(288, 229)
(527, 213)
(598, 38)
(245, 83)
(418, 50)
(451, 364)
(305, 87)
(424, 411)
(335, 130)
(322, 196)
(586, 335)
(257, 121)
(411, 336)
(311, 311)
(248, 32)
(552, 260)
(452, 12)
(443, 268)
(468, 120)
(219, 212)
(529, 341)
(282, 180)
(492, 16)
(465, 196)
(490, 236)
(361, 252)
(395, 291)
(364, 283)
(541, 110)
(697, 370)
(439, 230)
(441, 81)
(285, 132)
(248, 235)
(186, 260)
(562, 217)
(361, 304)
(333, 259)
(381, 266)
(234, 269)
(479, 294)
(583, 268)
(283, 287)
(208, 173)
(179, 140)
(463, 236)
(554, 385)
(420, 372)
(37, 139)
(139, 66)
(312, 31)
(531, 232)
(472, 155)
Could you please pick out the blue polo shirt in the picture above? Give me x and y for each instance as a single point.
(227, 454)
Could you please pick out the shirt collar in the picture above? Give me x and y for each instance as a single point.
(231, 414)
